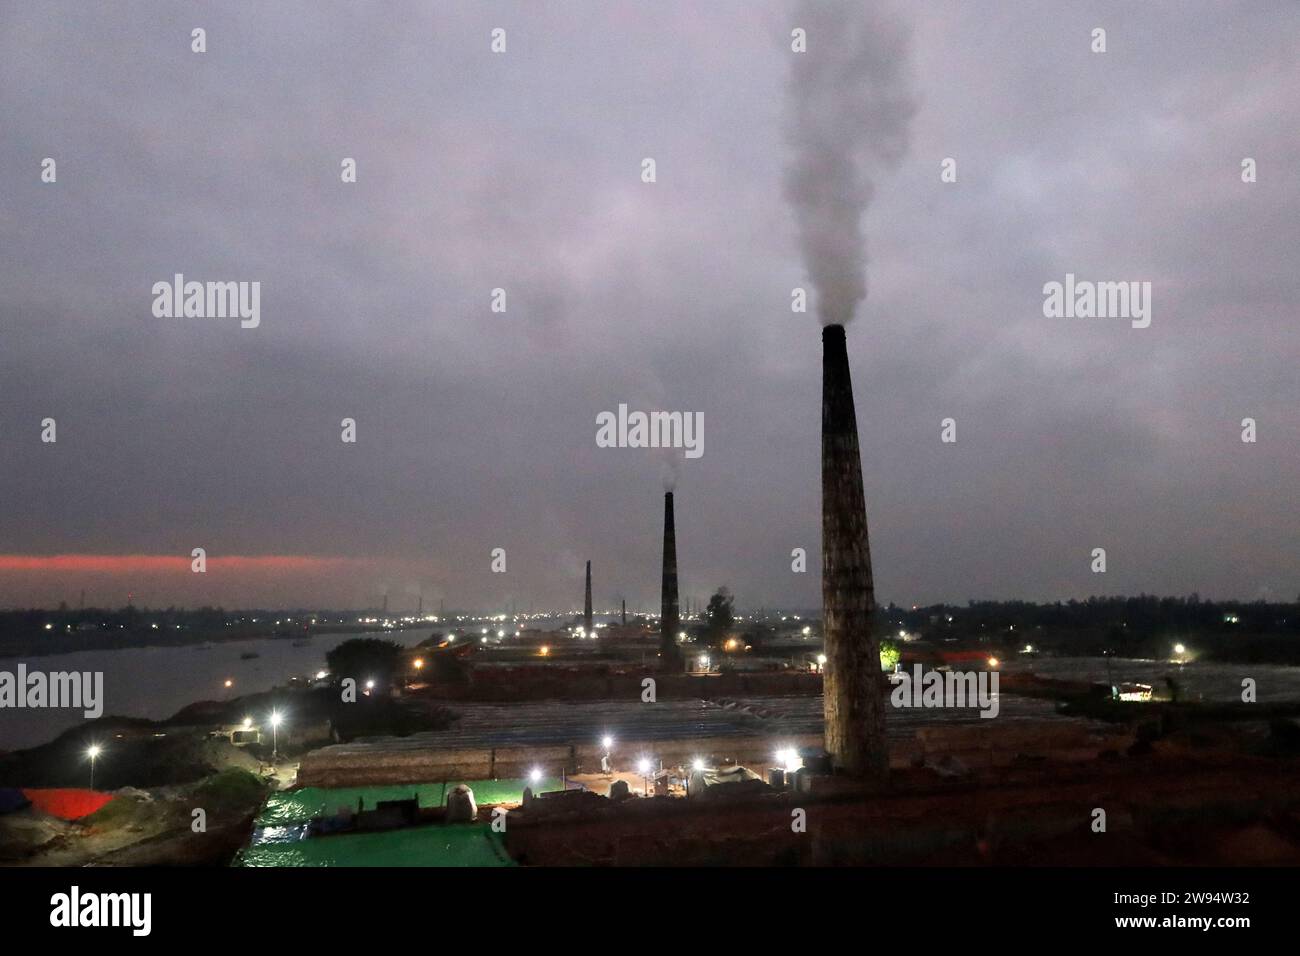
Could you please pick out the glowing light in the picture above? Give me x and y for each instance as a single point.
(789, 759)
(607, 741)
(993, 662)
(276, 718)
(535, 775)
(370, 684)
(544, 650)
(501, 634)
(643, 765)
(1179, 649)
(697, 764)
(229, 684)
(821, 660)
(807, 631)
(248, 723)
(93, 751)
(418, 662)
(321, 675)
(731, 644)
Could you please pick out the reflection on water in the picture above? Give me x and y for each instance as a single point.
(155, 682)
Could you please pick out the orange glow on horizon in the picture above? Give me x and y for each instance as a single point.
(146, 563)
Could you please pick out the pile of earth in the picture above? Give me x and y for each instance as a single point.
(202, 823)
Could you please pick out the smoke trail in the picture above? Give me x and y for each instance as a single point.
(849, 106)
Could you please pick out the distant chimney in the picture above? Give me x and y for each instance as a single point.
(625, 612)
(668, 619)
(853, 694)
(586, 607)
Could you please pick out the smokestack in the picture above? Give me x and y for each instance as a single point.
(852, 694)
(668, 619)
(586, 607)
(625, 612)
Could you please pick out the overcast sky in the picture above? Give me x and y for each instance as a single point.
(476, 430)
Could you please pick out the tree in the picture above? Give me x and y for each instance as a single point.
(890, 655)
(718, 616)
(366, 658)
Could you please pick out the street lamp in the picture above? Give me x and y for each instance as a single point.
(275, 736)
(92, 753)
(644, 766)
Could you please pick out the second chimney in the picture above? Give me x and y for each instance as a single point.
(668, 619)
(586, 607)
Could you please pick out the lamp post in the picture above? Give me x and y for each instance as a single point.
(275, 735)
(644, 767)
(92, 753)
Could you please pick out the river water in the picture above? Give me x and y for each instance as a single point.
(155, 682)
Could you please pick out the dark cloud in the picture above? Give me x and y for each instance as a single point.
(477, 430)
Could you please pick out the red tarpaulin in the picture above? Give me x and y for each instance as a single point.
(67, 803)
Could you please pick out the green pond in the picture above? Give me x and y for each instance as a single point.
(279, 836)
(466, 844)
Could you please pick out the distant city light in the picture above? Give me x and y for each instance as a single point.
(321, 675)
(1179, 649)
(697, 764)
(643, 766)
(993, 662)
(807, 631)
(248, 723)
(501, 633)
(229, 683)
(370, 684)
(821, 660)
(418, 662)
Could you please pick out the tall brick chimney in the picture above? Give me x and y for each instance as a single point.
(586, 607)
(854, 698)
(669, 654)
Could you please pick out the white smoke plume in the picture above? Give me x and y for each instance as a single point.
(850, 103)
